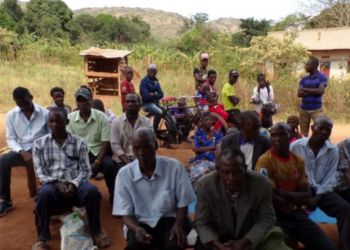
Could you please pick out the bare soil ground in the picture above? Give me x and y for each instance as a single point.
(17, 229)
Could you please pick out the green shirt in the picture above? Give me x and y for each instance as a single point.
(94, 132)
(227, 91)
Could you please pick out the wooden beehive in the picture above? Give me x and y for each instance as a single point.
(102, 68)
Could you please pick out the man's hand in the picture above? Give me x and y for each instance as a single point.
(313, 204)
(179, 233)
(63, 190)
(280, 192)
(26, 155)
(142, 236)
(241, 244)
(71, 188)
(94, 168)
(151, 94)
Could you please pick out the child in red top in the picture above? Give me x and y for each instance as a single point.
(126, 86)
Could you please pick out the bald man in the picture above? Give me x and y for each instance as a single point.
(321, 161)
(291, 190)
(152, 194)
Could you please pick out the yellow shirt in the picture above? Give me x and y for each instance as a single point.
(94, 132)
(287, 174)
(227, 91)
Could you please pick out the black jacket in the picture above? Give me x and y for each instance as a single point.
(261, 145)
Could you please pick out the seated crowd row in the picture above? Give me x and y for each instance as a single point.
(236, 206)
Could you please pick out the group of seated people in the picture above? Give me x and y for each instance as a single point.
(257, 198)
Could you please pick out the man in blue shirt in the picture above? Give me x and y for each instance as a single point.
(151, 93)
(321, 162)
(24, 124)
(152, 194)
(311, 89)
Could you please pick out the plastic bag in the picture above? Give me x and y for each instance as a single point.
(200, 168)
(75, 232)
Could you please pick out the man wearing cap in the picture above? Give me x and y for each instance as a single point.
(151, 93)
(24, 124)
(200, 74)
(92, 126)
(230, 100)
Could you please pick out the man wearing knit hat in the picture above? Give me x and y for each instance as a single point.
(151, 93)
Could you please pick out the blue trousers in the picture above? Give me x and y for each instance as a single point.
(48, 198)
(8, 161)
(156, 110)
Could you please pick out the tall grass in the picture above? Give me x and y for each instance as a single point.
(43, 64)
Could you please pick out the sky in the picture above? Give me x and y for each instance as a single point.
(259, 9)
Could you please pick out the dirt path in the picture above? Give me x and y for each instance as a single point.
(17, 229)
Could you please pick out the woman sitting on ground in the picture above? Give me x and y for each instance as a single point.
(293, 122)
(205, 140)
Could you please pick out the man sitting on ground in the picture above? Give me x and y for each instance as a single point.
(249, 140)
(57, 95)
(98, 104)
(291, 190)
(321, 161)
(24, 124)
(230, 100)
(151, 93)
(62, 166)
(152, 194)
(92, 126)
(124, 127)
(126, 85)
(234, 208)
(182, 115)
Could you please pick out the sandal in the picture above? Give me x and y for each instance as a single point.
(40, 245)
(102, 240)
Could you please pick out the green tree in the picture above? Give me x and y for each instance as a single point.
(48, 18)
(201, 18)
(328, 13)
(6, 21)
(293, 21)
(240, 39)
(250, 28)
(81, 29)
(12, 8)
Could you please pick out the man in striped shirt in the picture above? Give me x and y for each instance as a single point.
(62, 166)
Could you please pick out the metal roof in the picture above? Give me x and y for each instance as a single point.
(320, 39)
(105, 53)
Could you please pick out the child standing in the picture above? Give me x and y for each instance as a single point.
(126, 85)
(263, 93)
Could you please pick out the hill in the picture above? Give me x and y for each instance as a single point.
(229, 25)
(164, 25)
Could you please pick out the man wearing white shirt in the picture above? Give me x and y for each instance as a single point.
(152, 194)
(321, 162)
(24, 124)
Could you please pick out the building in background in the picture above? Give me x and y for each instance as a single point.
(330, 46)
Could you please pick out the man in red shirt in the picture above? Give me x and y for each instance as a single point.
(126, 85)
